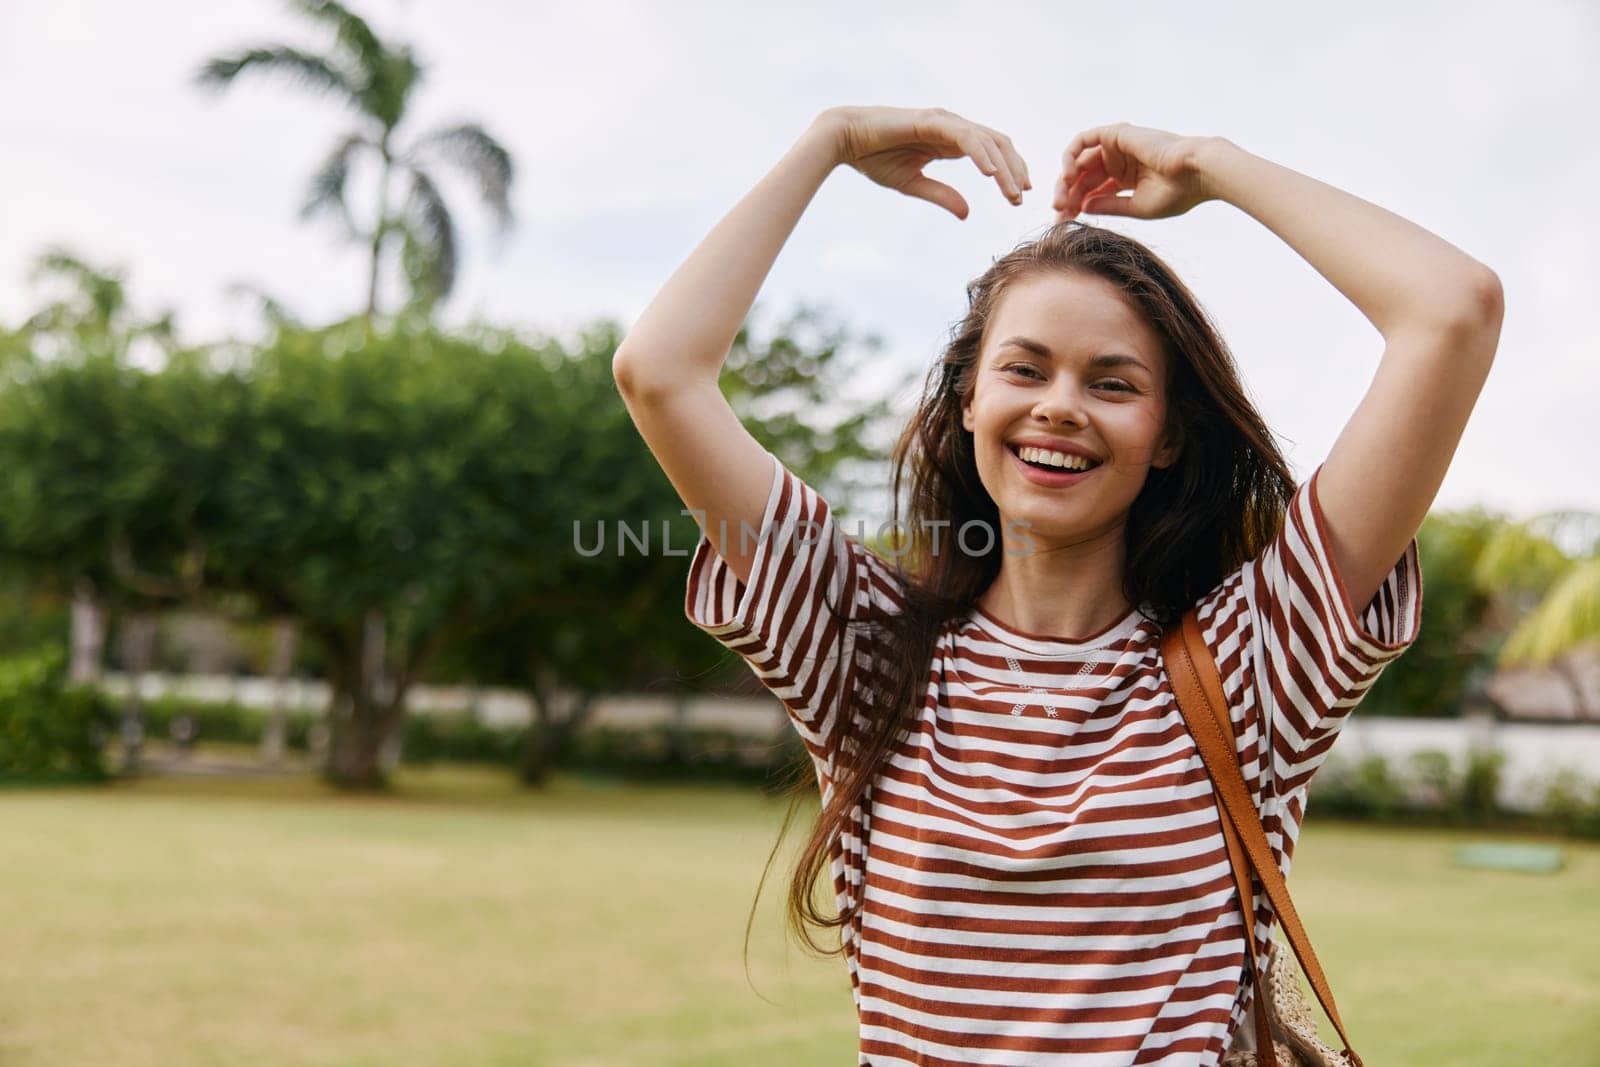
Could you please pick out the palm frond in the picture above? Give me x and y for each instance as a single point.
(416, 265)
(1573, 530)
(430, 246)
(469, 148)
(327, 184)
(1516, 558)
(273, 310)
(163, 328)
(298, 66)
(383, 75)
(101, 290)
(1567, 619)
(390, 84)
(350, 30)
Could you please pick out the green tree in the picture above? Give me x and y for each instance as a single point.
(1453, 650)
(1550, 593)
(1500, 594)
(90, 499)
(397, 492)
(564, 626)
(108, 475)
(576, 625)
(375, 78)
(350, 504)
(87, 314)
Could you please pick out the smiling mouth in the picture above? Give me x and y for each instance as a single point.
(1015, 451)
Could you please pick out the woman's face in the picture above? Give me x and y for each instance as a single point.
(1067, 362)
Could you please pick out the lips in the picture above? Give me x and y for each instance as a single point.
(1016, 448)
(1054, 444)
(1049, 478)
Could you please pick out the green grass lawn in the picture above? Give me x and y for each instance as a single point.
(465, 922)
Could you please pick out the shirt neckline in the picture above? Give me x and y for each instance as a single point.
(1050, 645)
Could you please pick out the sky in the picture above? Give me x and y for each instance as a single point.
(637, 126)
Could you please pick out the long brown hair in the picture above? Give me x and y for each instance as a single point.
(1192, 523)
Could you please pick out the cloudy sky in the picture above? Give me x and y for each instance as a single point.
(636, 126)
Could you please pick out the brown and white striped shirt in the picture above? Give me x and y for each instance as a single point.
(1044, 877)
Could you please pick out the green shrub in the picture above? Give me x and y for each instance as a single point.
(213, 721)
(224, 721)
(1480, 785)
(458, 738)
(49, 731)
(1437, 791)
(1572, 804)
(1363, 789)
(669, 752)
(1434, 774)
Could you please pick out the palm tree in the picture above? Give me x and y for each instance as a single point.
(92, 319)
(376, 78)
(1551, 591)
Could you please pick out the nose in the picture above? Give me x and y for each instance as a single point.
(1061, 402)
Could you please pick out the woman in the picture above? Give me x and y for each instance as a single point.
(1023, 842)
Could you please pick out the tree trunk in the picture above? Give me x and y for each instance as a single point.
(360, 752)
(285, 642)
(138, 647)
(353, 757)
(360, 755)
(88, 634)
(378, 235)
(554, 722)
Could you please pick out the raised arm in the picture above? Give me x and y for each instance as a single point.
(668, 365)
(1438, 309)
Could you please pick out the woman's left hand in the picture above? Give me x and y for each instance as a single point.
(1161, 168)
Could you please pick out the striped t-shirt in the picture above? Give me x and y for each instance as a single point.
(1044, 875)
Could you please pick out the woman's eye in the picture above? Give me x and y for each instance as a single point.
(1116, 385)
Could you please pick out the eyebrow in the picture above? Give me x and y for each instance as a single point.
(1110, 359)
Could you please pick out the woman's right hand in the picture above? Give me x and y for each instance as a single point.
(891, 145)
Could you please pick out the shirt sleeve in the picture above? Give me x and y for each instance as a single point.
(1283, 625)
(781, 622)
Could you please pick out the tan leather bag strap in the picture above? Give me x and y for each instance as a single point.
(1198, 687)
(1266, 1055)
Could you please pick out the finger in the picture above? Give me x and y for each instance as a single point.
(1109, 187)
(1093, 158)
(1090, 179)
(924, 188)
(1096, 201)
(1110, 204)
(1019, 167)
(950, 136)
(1004, 177)
(979, 151)
(1084, 139)
(1116, 161)
(1087, 161)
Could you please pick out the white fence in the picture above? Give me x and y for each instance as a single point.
(1534, 751)
(493, 707)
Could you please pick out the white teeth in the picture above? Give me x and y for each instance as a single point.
(1055, 459)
